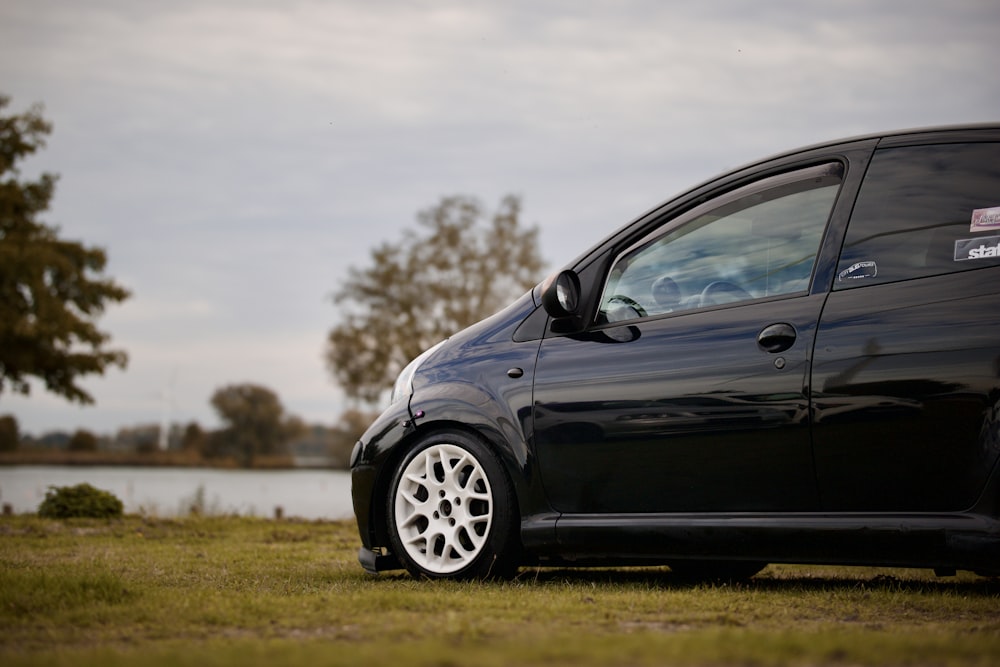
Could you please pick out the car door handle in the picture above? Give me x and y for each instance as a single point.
(776, 337)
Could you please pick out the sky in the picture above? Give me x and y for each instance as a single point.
(235, 157)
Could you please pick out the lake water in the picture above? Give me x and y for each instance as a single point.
(165, 492)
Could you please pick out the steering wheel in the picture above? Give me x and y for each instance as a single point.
(625, 302)
(723, 291)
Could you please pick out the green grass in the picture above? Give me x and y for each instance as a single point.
(235, 591)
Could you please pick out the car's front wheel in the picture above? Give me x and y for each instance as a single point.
(451, 510)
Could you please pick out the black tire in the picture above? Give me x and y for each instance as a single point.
(451, 510)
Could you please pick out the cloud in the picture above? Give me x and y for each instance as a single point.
(236, 157)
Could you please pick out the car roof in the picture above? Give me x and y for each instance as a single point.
(921, 132)
(929, 134)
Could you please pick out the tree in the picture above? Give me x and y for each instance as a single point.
(256, 423)
(139, 438)
(51, 290)
(82, 441)
(194, 439)
(10, 433)
(454, 271)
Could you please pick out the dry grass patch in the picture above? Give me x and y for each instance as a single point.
(236, 591)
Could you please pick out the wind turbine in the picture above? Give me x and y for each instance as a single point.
(167, 404)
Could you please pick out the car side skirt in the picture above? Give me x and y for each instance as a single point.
(943, 541)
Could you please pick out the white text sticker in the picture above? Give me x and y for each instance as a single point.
(985, 247)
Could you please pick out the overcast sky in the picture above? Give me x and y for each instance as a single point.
(235, 157)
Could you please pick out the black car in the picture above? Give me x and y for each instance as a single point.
(796, 362)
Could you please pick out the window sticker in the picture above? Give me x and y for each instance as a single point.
(985, 219)
(985, 247)
(859, 270)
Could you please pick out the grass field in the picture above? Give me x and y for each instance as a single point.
(236, 591)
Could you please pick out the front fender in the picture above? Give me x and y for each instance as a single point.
(444, 405)
(391, 428)
(504, 420)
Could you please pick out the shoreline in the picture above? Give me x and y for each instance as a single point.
(168, 459)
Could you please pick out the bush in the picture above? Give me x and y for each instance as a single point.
(82, 500)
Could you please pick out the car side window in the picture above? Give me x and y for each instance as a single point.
(924, 211)
(758, 241)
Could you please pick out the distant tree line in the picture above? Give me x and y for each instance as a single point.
(255, 428)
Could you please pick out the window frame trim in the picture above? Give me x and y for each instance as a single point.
(833, 166)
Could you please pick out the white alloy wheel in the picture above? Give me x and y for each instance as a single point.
(443, 507)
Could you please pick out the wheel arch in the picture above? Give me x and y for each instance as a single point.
(393, 457)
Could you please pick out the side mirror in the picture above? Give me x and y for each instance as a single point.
(561, 296)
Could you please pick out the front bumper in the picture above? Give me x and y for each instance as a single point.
(388, 431)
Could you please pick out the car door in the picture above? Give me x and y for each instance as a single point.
(688, 390)
(907, 360)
